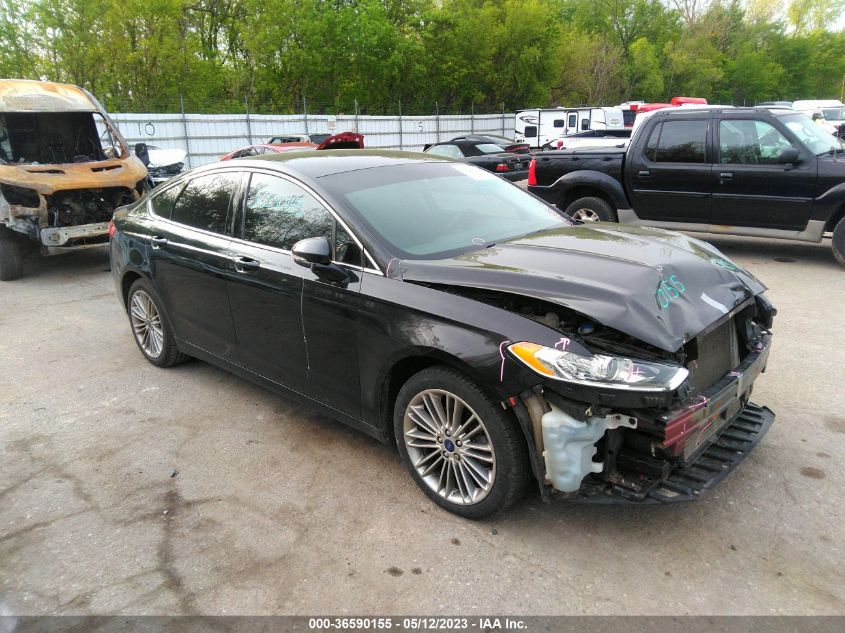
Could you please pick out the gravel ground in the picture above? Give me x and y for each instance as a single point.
(129, 489)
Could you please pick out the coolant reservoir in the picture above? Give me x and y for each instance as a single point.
(570, 445)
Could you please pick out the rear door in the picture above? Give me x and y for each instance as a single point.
(753, 189)
(670, 175)
(189, 259)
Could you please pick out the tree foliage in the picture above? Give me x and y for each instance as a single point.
(456, 55)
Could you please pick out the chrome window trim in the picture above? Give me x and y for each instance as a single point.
(270, 172)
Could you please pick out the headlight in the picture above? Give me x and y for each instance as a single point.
(599, 370)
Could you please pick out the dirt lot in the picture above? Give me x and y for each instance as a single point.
(129, 489)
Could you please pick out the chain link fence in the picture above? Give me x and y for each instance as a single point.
(207, 137)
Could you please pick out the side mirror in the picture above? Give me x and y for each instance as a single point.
(316, 253)
(313, 250)
(142, 153)
(788, 155)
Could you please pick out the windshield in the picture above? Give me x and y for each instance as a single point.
(438, 210)
(812, 135)
(834, 114)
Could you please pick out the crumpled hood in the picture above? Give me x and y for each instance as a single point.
(660, 287)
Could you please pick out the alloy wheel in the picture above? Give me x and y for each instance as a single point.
(449, 447)
(586, 215)
(146, 324)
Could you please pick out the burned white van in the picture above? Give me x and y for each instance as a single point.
(64, 169)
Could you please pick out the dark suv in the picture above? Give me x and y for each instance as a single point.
(742, 171)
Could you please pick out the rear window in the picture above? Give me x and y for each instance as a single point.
(677, 142)
(204, 203)
(488, 148)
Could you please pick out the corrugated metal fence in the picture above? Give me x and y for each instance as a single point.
(206, 137)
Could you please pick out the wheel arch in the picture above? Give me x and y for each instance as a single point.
(581, 184)
(584, 191)
(410, 364)
(835, 218)
(129, 278)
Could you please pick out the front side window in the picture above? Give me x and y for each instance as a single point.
(279, 213)
(749, 142)
(811, 135)
(680, 142)
(204, 203)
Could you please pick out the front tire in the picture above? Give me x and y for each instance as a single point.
(461, 449)
(837, 242)
(591, 209)
(150, 327)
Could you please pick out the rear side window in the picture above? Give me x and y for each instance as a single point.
(530, 131)
(204, 203)
(451, 151)
(280, 213)
(162, 202)
(677, 142)
(558, 123)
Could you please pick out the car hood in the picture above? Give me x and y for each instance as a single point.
(660, 287)
(163, 157)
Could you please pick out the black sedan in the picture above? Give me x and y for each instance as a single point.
(485, 154)
(431, 304)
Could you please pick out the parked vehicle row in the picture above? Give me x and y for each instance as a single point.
(420, 300)
(744, 171)
(276, 145)
(484, 152)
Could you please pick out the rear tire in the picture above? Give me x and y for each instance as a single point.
(151, 327)
(472, 461)
(591, 209)
(837, 242)
(11, 256)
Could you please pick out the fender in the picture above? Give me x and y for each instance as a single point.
(827, 204)
(605, 183)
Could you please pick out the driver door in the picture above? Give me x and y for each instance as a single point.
(750, 187)
(293, 328)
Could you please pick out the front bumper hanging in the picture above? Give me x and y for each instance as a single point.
(687, 483)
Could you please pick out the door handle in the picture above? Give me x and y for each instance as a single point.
(158, 241)
(726, 175)
(644, 173)
(246, 264)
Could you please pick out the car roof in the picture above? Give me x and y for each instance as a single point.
(332, 161)
(28, 95)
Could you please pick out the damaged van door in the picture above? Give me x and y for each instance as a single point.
(64, 169)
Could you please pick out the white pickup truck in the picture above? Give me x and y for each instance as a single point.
(592, 138)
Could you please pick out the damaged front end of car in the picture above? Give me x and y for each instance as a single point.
(642, 392)
(624, 428)
(64, 168)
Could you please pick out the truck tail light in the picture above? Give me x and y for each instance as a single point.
(532, 172)
(111, 229)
